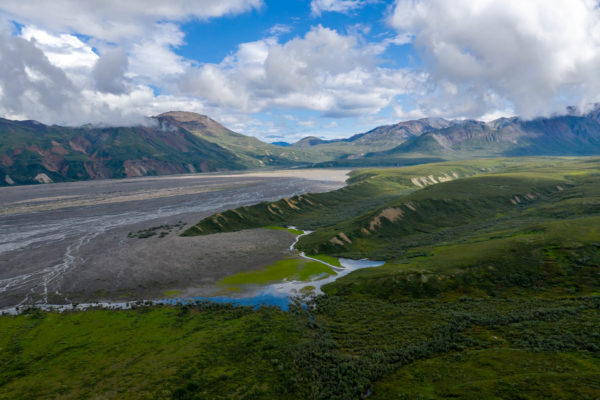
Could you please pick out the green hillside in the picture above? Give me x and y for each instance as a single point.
(504, 251)
(366, 189)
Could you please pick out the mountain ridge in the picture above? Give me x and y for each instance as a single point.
(185, 142)
(463, 139)
(32, 152)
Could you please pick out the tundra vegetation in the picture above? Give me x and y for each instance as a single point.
(491, 289)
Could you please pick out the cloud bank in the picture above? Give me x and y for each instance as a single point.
(97, 61)
(532, 57)
(115, 20)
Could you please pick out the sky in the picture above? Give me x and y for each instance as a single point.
(282, 70)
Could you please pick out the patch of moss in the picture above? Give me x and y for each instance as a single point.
(280, 228)
(328, 259)
(287, 269)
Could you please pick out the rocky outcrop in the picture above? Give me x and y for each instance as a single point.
(42, 178)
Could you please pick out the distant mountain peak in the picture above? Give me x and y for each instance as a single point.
(198, 124)
(281, 144)
(309, 141)
(502, 122)
(185, 116)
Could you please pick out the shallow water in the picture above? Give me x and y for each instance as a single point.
(281, 294)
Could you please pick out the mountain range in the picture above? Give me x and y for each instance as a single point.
(185, 142)
(171, 143)
(439, 139)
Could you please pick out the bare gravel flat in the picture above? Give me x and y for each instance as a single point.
(70, 241)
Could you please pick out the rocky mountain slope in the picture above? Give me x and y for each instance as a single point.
(172, 143)
(565, 135)
(254, 152)
(391, 135)
(451, 140)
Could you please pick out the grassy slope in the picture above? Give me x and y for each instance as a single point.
(289, 268)
(252, 150)
(466, 202)
(503, 303)
(503, 194)
(365, 191)
(543, 254)
(473, 375)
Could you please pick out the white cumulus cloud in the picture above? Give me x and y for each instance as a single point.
(63, 50)
(34, 83)
(338, 75)
(114, 20)
(317, 7)
(533, 57)
(153, 59)
(74, 62)
(30, 84)
(115, 62)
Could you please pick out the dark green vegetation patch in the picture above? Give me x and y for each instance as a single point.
(163, 229)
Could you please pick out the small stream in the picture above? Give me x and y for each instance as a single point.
(279, 294)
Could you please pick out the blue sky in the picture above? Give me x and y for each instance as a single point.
(281, 70)
(212, 41)
(227, 32)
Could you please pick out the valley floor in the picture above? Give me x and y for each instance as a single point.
(490, 290)
(118, 239)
